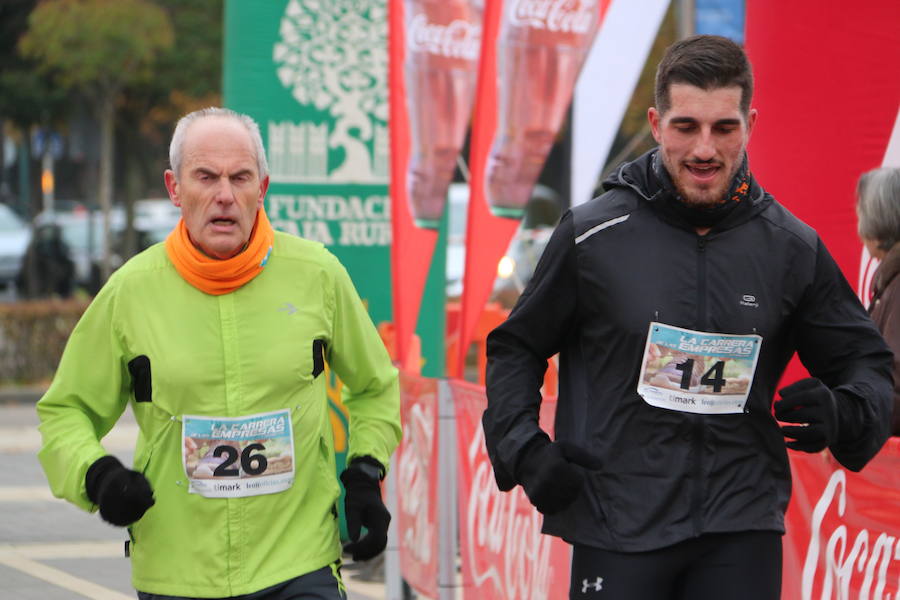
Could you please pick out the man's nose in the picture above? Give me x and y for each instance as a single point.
(704, 149)
(224, 191)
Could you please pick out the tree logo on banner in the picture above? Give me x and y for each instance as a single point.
(332, 56)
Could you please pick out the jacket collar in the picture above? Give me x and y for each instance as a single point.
(887, 270)
(646, 177)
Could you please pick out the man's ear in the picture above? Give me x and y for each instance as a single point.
(263, 188)
(172, 187)
(653, 117)
(751, 120)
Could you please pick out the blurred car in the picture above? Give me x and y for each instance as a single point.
(15, 235)
(515, 268)
(155, 217)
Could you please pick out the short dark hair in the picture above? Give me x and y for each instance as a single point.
(707, 62)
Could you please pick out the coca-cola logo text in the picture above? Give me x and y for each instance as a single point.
(564, 16)
(413, 462)
(457, 39)
(507, 529)
(869, 559)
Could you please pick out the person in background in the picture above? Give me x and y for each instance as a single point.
(878, 214)
(687, 483)
(47, 267)
(218, 339)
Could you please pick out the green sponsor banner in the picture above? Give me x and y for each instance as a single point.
(313, 74)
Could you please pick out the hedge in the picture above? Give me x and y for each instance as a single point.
(32, 337)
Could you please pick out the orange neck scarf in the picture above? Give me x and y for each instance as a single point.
(214, 276)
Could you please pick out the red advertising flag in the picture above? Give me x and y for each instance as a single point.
(443, 41)
(417, 476)
(411, 247)
(531, 54)
(503, 553)
(843, 529)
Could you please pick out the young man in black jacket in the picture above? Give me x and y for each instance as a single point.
(675, 301)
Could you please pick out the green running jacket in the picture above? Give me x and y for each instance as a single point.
(246, 352)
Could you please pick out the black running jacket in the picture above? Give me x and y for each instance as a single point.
(621, 261)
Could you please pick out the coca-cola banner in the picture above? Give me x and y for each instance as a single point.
(443, 42)
(531, 54)
(417, 476)
(842, 541)
(843, 538)
(503, 553)
(412, 247)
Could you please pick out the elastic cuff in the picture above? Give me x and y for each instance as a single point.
(523, 460)
(369, 466)
(851, 417)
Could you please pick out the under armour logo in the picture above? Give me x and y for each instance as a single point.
(288, 308)
(597, 585)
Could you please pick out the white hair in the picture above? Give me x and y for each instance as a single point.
(176, 147)
(878, 206)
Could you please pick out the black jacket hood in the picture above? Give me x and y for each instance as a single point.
(640, 176)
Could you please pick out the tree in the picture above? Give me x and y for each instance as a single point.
(98, 47)
(27, 97)
(187, 77)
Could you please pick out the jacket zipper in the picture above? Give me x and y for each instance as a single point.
(698, 437)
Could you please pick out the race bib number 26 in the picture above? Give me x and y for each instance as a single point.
(227, 457)
(697, 371)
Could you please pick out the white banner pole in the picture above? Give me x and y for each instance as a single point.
(446, 493)
(393, 579)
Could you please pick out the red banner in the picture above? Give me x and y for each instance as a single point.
(504, 555)
(411, 246)
(842, 541)
(531, 54)
(843, 538)
(417, 476)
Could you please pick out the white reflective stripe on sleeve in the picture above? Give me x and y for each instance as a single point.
(600, 227)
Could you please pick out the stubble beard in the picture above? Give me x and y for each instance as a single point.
(706, 198)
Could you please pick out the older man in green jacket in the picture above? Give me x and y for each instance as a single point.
(218, 338)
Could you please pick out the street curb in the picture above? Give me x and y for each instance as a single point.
(21, 395)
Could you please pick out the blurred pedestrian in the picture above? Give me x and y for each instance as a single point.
(47, 267)
(218, 340)
(878, 213)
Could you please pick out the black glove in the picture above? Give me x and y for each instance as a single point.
(123, 495)
(809, 401)
(551, 482)
(363, 506)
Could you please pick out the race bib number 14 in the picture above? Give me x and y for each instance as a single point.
(696, 371)
(227, 457)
